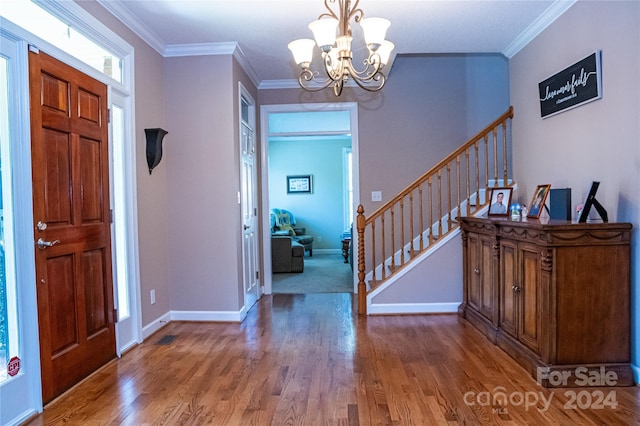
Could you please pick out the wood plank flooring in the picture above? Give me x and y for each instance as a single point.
(310, 360)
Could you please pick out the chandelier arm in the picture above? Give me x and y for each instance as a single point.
(379, 78)
(338, 85)
(334, 73)
(307, 76)
(369, 73)
(356, 13)
(331, 13)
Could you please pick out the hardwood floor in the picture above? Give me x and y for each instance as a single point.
(310, 360)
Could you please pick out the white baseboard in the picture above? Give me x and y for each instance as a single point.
(156, 325)
(214, 316)
(211, 316)
(23, 417)
(413, 308)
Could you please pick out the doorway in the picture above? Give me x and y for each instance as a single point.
(322, 122)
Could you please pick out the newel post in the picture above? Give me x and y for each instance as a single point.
(362, 286)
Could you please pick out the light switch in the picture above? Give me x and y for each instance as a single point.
(376, 195)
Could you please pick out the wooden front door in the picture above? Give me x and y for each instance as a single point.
(69, 147)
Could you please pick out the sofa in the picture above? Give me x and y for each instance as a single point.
(283, 223)
(287, 255)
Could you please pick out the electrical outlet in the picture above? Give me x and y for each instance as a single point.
(152, 294)
(319, 238)
(376, 195)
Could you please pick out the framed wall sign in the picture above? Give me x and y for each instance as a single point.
(573, 86)
(299, 184)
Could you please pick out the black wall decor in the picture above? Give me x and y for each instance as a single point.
(154, 146)
(573, 86)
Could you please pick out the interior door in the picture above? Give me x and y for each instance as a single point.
(249, 212)
(70, 170)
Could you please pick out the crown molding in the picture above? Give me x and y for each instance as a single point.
(246, 66)
(204, 49)
(116, 8)
(279, 84)
(199, 49)
(532, 31)
(134, 24)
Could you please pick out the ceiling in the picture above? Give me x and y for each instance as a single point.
(262, 29)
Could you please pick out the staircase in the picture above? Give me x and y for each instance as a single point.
(404, 229)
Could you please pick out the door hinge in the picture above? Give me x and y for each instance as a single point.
(257, 275)
(108, 115)
(115, 315)
(110, 215)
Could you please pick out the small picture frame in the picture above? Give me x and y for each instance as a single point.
(499, 201)
(538, 201)
(299, 184)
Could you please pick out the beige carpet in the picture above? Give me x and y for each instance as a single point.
(323, 273)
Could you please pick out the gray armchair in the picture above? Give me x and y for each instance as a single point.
(286, 255)
(283, 223)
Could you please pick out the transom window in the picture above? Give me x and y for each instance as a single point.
(43, 24)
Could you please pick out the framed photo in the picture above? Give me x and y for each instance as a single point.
(538, 200)
(299, 184)
(500, 201)
(592, 202)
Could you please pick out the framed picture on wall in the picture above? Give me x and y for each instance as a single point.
(500, 201)
(538, 200)
(299, 184)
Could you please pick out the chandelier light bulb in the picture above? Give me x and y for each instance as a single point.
(324, 32)
(302, 51)
(375, 30)
(384, 51)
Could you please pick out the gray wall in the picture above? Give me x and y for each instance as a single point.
(322, 211)
(424, 112)
(596, 141)
(203, 210)
(153, 203)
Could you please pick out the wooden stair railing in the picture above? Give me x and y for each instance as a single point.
(435, 198)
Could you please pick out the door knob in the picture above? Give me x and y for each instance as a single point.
(42, 244)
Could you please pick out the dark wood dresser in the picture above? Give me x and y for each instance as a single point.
(554, 295)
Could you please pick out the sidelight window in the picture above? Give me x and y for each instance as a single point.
(8, 300)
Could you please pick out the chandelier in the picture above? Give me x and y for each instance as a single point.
(336, 50)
